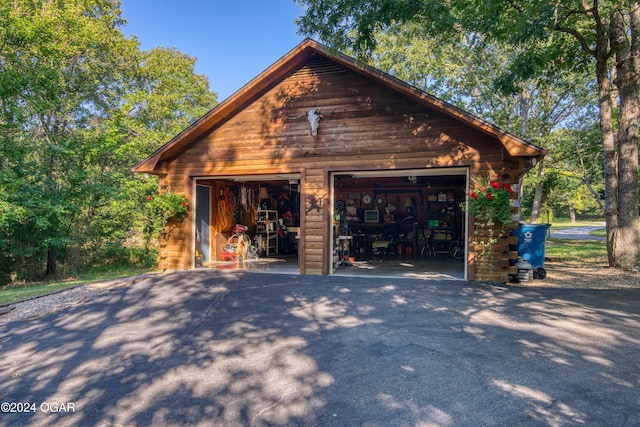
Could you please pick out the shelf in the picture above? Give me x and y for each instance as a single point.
(443, 218)
(267, 216)
(267, 231)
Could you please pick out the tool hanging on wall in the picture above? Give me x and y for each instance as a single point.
(240, 206)
(251, 194)
(243, 196)
(223, 209)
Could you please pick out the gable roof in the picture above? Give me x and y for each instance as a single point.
(514, 145)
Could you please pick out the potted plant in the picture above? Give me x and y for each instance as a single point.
(490, 204)
(164, 207)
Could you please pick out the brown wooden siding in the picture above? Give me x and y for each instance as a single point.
(364, 126)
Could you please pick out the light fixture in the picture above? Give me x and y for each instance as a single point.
(263, 197)
(292, 183)
(408, 205)
(263, 193)
(529, 163)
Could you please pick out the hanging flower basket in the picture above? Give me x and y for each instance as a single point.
(163, 208)
(490, 200)
(170, 206)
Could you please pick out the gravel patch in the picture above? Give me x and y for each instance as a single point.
(572, 276)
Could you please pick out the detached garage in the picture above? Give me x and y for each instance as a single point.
(337, 165)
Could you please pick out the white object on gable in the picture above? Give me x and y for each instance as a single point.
(314, 120)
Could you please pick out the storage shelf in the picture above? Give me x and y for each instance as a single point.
(267, 232)
(443, 219)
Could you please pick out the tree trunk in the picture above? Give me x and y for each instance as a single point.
(608, 146)
(51, 262)
(572, 213)
(626, 247)
(537, 198)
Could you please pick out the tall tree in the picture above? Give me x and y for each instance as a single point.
(79, 105)
(466, 71)
(601, 34)
(576, 157)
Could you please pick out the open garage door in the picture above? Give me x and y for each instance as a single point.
(400, 223)
(253, 222)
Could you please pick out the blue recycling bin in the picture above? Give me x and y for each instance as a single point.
(531, 243)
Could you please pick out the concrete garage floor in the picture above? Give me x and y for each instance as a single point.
(438, 268)
(441, 267)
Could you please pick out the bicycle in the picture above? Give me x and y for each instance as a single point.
(241, 243)
(456, 249)
(427, 249)
(252, 253)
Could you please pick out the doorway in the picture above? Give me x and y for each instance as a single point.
(254, 222)
(399, 223)
(203, 224)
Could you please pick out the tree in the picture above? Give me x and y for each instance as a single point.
(51, 58)
(602, 35)
(79, 105)
(577, 158)
(465, 70)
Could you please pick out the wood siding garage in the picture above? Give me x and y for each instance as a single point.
(369, 122)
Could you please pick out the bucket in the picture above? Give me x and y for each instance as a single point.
(524, 270)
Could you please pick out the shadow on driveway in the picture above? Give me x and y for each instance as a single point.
(224, 348)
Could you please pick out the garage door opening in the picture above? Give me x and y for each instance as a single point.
(247, 223)
(400, 223)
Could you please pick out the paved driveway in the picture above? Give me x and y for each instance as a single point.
(577, 233)
(222, 348)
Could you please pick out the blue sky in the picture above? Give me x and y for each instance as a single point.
(233, 41)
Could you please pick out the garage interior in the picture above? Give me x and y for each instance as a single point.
(397, 223)
(262, 209)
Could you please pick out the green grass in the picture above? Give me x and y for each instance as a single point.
(580, 252)
(21, 292)
(577, 252)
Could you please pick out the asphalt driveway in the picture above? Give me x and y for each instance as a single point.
(227, 348)
(577, 233)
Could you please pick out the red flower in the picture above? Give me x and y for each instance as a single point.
(495, 185)
(489, 196)
(508, 188)
(184, 204)
(149, 198)
(474, 196)
(483, 189)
